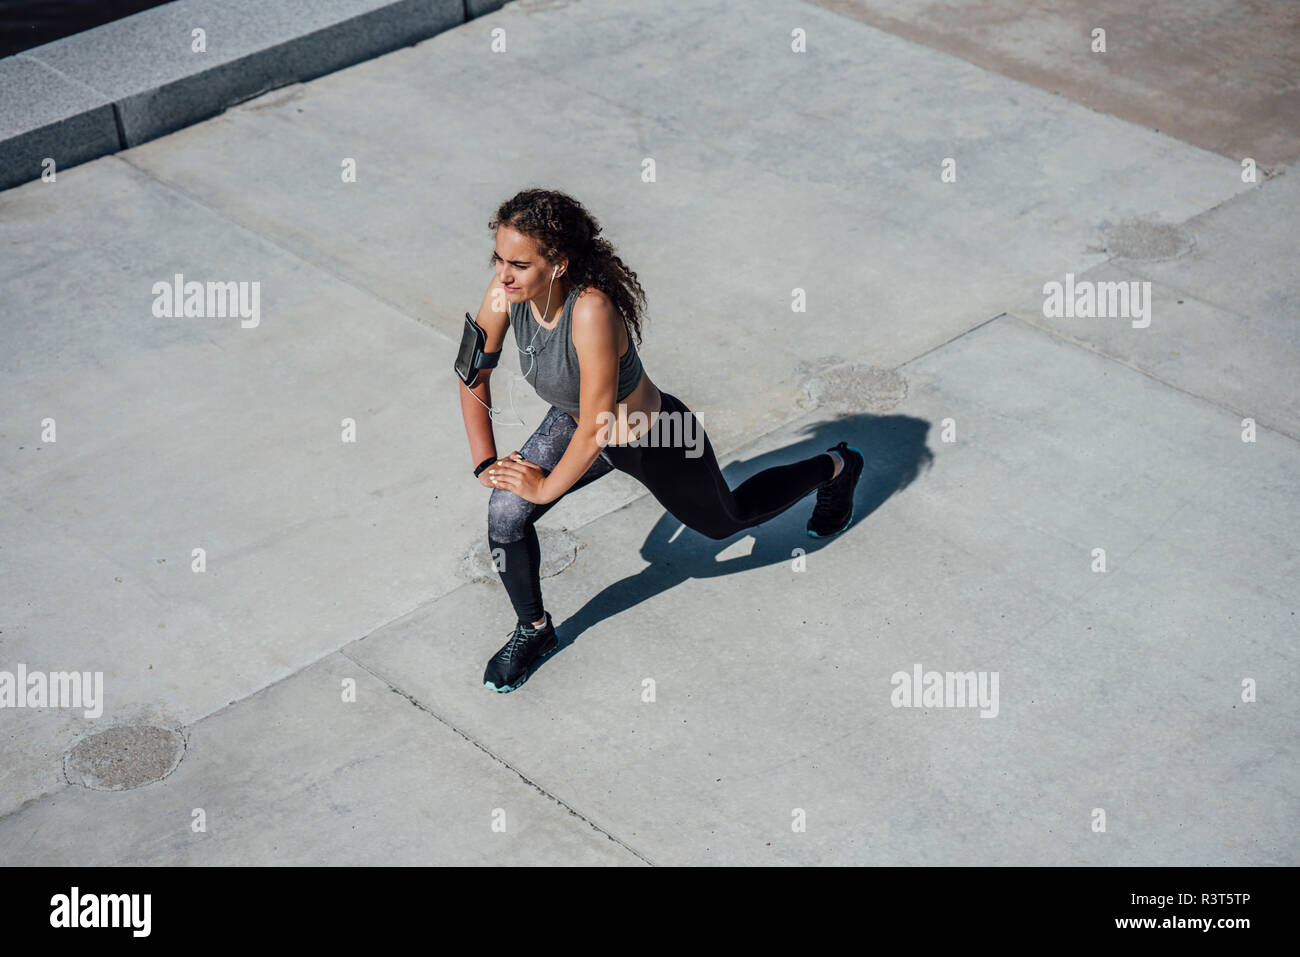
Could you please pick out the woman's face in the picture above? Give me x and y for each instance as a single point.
(520, 268)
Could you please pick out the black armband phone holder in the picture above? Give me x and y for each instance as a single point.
(471, 357)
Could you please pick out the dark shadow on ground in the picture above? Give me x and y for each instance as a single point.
(896, 453)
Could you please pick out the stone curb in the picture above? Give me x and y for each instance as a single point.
(130, 81)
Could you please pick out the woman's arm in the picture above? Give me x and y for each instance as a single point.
(595, 339)
(494, 318)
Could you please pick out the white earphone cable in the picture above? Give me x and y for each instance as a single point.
(531, 352)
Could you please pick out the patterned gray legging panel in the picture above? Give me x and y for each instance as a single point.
(510, 517)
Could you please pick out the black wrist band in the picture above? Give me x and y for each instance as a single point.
(484, 464)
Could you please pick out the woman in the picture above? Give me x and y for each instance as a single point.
(571, 301)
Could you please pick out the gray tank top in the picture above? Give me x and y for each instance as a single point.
(553, 372)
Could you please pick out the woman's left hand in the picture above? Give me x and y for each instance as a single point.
(516, 474)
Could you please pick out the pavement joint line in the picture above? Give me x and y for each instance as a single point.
(966, 332)
(1144, 277)
(500, 760)
(1068, 340)
(1270, 173)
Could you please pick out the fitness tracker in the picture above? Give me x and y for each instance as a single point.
(484, 464)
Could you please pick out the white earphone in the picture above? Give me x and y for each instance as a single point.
(530, 351)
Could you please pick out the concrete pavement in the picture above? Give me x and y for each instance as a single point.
(324, 671)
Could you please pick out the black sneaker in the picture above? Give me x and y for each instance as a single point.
(834, 509)
(509, 667)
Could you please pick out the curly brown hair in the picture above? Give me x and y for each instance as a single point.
(561, 227)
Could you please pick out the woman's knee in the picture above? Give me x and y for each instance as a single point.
(508, 516)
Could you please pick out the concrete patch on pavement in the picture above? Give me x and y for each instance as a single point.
(559, 550)
(125, 757)
(853, 386)
(1146, 240)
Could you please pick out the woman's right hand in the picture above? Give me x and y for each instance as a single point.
(485, 479)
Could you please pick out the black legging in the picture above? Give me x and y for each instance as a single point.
(674, 460)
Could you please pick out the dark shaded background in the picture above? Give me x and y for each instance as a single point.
(29, 23)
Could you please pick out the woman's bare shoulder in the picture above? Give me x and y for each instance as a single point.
(595, 316)
(593, 305)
